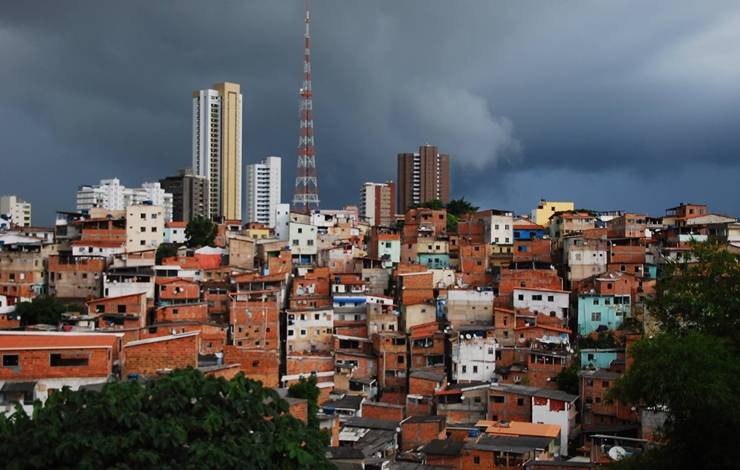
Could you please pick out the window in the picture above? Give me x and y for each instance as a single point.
(10, 360)
(475, 369)
(520, 402)
(476, 459)
(521, 296)
(537, 297)
(497, 399)
(605, 383)
(142, 229)
(295, 242)
(303, 332)
(99, 308)
(68, 359)
(122, 308)
(596, 301)
(551, 298)
(154, 229)
(143, 216)
(464, 369)
(401, 359)
(596, 316)
(154, 216)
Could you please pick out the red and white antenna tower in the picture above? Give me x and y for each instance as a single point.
(306, 191)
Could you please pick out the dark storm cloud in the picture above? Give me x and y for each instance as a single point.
(613, 104)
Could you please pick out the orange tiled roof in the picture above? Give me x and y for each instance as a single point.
(520, 428)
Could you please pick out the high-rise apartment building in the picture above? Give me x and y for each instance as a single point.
(378, 203)
(189, 195)
(111, 195)
(17, 209)
(263, 190)
(423, 177)
(217, 147)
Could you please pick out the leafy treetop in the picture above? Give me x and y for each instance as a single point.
(200, 231)
(182, 420)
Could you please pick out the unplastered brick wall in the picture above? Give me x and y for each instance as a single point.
(168, 353)
(37, 364)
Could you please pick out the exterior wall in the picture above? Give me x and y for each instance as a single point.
(310, 331)
(499, 229)
(385, 411)
(598, 310)
(561, 413)
(415, 434)
(532, 250)
(507, 406)
(257, 364)
(303, 239)
(182, 312)
(418, 314)
(148, 357)
(545, 210)
(378, 203)
(174, 233)
(36, 364)
(19, 210)
(526, 278)
(177, 291)
(543, 301)
(415, 288)
(422, 177)
(474, 359)
(598, 358)
(76, 277)
(144, 227)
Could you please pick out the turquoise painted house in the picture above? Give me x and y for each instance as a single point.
(434, 260)
(598, 358)
(601, 311)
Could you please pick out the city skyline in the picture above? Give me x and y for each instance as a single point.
(606, 111)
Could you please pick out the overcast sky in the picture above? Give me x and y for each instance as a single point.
(616, 105)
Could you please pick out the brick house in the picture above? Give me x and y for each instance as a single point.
(152, 356)
(416, 431)
(36, 364)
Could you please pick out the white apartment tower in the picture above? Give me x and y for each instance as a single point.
(111, 195)
(18, 210)
(263, 191)
(217, 147)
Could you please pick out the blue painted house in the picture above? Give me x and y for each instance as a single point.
(605, 312)
(598, 358)
(529, 232)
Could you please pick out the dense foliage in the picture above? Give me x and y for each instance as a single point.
(691, 369)
(182, 420)
(567, 380)
(201, 231)
(44, 310)
(307, 389)
(165, 250)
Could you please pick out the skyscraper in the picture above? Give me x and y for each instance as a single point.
(217, 147)
(189, 195)
(423, 177)
(378, 203)
(263, 190)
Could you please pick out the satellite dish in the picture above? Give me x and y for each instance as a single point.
(467, 336)
(617, 453)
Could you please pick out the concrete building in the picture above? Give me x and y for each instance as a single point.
(18, 210)
(601, 312)
(217, 147)
(474, 356)
(189, 195)
(303, 243)
(111, 195)
(422, 176)
(282, 221)
(263, 191)
(378, 203)
(144, 227)
(545, 209)
(469, 307)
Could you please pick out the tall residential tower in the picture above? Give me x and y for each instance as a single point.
(378, 203)
(423, 177)
(217, 147)
(263, 191)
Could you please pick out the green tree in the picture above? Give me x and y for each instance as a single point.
(182, 420)
(307, 389)
(460, 207)
(567, 380)
(200, 231)
(435, 204)
(692, 368)
(695, 377)
(43, 310)
(165, 250)
(703, 295)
